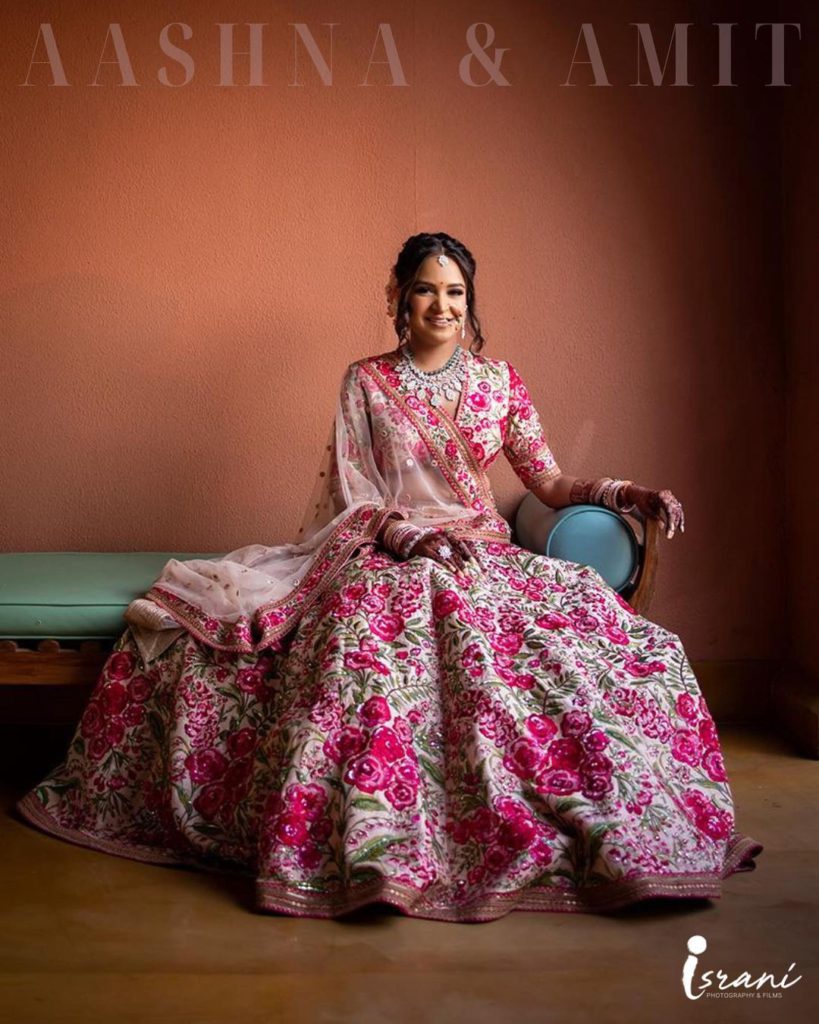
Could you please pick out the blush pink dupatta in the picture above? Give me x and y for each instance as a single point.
(389, 455)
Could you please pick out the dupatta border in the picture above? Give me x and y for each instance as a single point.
(276, 618)
(454, 433)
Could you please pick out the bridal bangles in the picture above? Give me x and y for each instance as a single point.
(605, 491)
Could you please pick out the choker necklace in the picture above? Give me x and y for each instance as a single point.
(433, 386)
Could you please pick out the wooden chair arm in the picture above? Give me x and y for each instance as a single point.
(641, 596)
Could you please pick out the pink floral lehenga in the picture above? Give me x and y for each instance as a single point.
(458, 745)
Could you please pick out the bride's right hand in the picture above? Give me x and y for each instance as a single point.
(444, 548)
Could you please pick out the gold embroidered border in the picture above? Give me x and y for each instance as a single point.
(399, 400)
(291, 899)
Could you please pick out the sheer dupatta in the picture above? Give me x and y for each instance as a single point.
(385, 458)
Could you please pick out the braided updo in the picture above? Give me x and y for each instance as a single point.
(405, 272)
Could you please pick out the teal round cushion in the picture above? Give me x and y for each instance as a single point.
(586, 534)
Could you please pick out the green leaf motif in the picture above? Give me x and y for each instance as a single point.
(205, 828)
(568, 803)
(431, 770)
(368, 803)
(374, 848)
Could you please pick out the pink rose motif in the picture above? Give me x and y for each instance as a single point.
(575, 723)
(686, 747)
(713, 764)
(113, 698)
(541, 852)
(559, 780)
(524, 758)
(351, 741)
(291, 830)
(133, 715)
(565, 753)
(715, 824)
(368, 774)
(250, 680)
(496, 859)
(624, 604)
(98, 747)
(242, 741)
(357, 660)
(450, 449)
(595, 740)
(617, 635)
(115, 730)
(541, 727)
(477, 401)
(686, 707)
(209, 800)
(373, 603)
(483, 824)
(402, 730)
(641, 669)
(309, 857)
(120, 665)
(92, 720)
(385, 744)
(596, 762)
(374, 711)
(596, 785)
(696, 801)
(407, 772)
(330, 748)
(708, 732)
(387, 625)
(211, 625)
(400, 794)
(444, 603)
(305, 801)
(553, 620)
(460, 831)
(517, 834)
(205, 765)
(354, 592)
(522, 680)
(140, 688)
(509, 643)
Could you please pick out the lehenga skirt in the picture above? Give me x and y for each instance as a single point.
(457, 745)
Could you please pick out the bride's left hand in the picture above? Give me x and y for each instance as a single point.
(664, 507)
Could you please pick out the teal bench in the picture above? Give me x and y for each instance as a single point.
(60, 611)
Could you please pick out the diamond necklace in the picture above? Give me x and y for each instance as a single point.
(433, 386)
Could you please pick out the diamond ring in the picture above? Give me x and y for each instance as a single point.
(445, 551)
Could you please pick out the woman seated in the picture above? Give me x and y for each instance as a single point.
(403, 706)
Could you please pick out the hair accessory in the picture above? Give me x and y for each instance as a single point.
(443, 260)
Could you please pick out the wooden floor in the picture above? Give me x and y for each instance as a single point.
(85, 936)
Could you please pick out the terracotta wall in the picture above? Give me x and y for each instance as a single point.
(194, 267)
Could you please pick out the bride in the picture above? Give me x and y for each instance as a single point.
(403, 706)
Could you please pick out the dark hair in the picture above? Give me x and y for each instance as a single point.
(407, 267)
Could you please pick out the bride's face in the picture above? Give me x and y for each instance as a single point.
(437, 303)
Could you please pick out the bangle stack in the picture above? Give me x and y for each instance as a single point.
(400, 537)
(610, 494)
